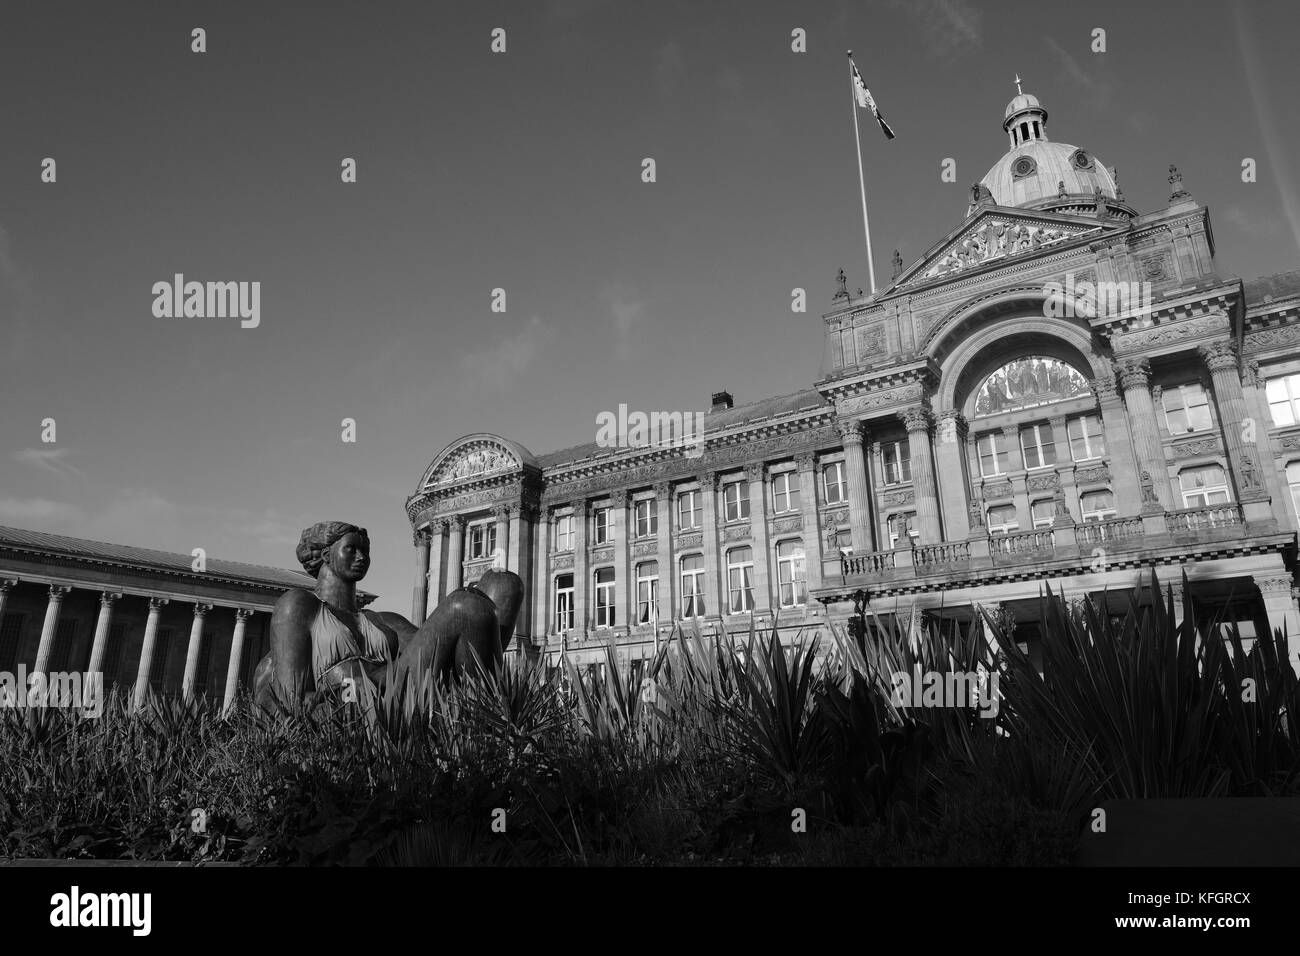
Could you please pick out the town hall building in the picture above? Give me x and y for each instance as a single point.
(1061, 391)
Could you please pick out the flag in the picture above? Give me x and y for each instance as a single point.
(866, 102)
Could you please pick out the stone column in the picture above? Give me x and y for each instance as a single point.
(5, 585)
(242, 614)
(1252, 386)
(917, 421)
(950, 455)
(876, 474)
(147, 650)
(437, 542)
(541, 572)
(664, 555)
(420, 592)
(714, 593)
(1123, 464)
(855, 468)
(501, 515)
(1134, 379)
(50, 628)
(812, 534)
(755, 473)
(1065, 466)
(1247, 471)
(622, 585)
(192, 652)
(456, 552)
(580, 565)
(102, 625)
(518, 547)
(1279, 596)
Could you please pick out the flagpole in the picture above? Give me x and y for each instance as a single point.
(862, 185)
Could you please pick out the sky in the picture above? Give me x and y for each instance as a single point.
(520, 171)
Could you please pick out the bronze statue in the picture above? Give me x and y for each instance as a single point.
(471, 623)
(322, 638)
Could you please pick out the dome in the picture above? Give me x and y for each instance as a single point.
(1033, 172)
(1024, 101)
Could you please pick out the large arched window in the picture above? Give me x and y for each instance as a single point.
(1027, 382)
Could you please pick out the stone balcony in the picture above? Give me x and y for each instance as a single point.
(1153, 538)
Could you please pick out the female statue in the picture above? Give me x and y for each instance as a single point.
(321, 638)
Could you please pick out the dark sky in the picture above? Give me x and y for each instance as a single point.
(519, 171)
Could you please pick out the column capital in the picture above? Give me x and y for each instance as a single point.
(201, 610)
(439, 525)
(708, 480)
(156, 604)
(619, 497)
(663, 489)
(1010, 432)
(916, 419)
(501, 512)
(850, 432)
(244, 613)
(952, 425)
(1250, 374)
(1057, 421)
(579, 506)
(7, 583)
(420, 537)
(529, 511)
(1275, 584)
(109, 598)
(1134, 373)
(1218, 356)
(755, 471)
(59, 591)
(1103, 386)
(805, 461)
(456, 523)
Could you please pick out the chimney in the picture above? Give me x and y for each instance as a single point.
(722, 401)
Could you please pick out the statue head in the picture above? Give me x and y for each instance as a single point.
(344, 547)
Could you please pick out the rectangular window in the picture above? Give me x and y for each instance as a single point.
(564, 602)
(11, 631)
(689, 509)
(1038, 446)
(1002, 519)
(603, 523)
(564, 533)
(1097, 505)
(1204, 486)
(993, 454)
(740, 583)
(895, 527)
(482, 539)
(735, 497)
(693, 586)
(1187, 408)
(1042, 511)
(1086, 441)
(791, 573)
(647, 518)
(1284, 399)
(1293, 482)
(605, 597)
(647, 592)
(896, 458)
(834, 486)
(475, 541)
(785, 492)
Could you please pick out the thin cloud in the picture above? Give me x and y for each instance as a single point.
(498, 366)
(52, 461)
(950, 26)
(1093, 83)
(628, 312)
(28, 512)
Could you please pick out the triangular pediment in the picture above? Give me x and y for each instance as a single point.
(994, 235)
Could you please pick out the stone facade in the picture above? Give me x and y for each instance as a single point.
(1062, 391)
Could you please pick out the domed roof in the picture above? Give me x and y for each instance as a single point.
(1034, 172)
(1025, 101)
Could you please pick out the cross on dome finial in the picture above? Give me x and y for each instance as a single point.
(1019, 91)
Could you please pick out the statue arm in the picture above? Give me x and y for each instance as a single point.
(291, 621)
